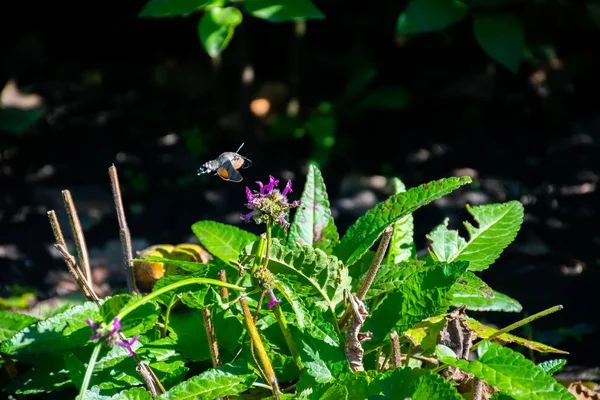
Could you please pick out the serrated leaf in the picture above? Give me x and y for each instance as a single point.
(313, 223)
(172, 8)
(319, 272)
(131, 394)
(485, 332)
(502, 37)
(223, 241)
(64, 331)
(227, 380)
(430, 15)
(434, 386)
(513, 374)
(216, 28)
(551, 367)
(425, 333)
(400, 383)
(11, 323)
(336, 391)
(402, 246)
(136, 322)
(424, 294)
(281, 10)
(316, 366)
(367, 229)
(498, 225)
(476, 295)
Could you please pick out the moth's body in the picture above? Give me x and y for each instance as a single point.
(226, 166)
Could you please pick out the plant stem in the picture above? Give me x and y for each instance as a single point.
(268, 246)
(124, 232)
(212, 338)
(364, 287)
(260, 348)
(287, 335)
(520, 323)
(223, 278)
(172, 286)
(82, 253)
(88, 373)
(168, 314)
(395, 349)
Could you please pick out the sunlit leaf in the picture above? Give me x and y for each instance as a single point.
(430, 15)
(11, 323)
(551, 367)
(282, 10)
(498, 225)
(402, 246)
(223, 241)
(512, 373)
(313, 223)
(476, 295)
(367, 229)
(216, 28)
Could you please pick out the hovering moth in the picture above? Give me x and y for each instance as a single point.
(227, 165)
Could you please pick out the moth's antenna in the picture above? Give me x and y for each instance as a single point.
(238, 150)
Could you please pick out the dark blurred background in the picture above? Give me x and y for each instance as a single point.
(86, 86)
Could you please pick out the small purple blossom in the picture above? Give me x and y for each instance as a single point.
(269, 204)
(274, 300)
(108, 334)
(288, 188)
(128, 345)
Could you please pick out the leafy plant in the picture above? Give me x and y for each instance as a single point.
(342, 321)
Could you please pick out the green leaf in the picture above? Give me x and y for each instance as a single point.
(367, 229)
(131, 394)
(57, 334)
(50, 375)
(430, 15)
(75, 368)
(498, 225)
(471, 291)
(400, 383)
(216, 28)
(336, 391)
(311, 267)
(172, 8)
(187, 266)
(485, 332)
(434, 386)
(313, 223)
(512, 373)
(502, 37)
(11, 323)
(551, 367)
(424, 294)
(136, 322)
(316, 367)
(282, 10)
(223, 241)
(402, 246)
(227, 380)
(188, 326)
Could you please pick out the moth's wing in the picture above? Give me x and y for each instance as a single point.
(247, 163)
(228, 173)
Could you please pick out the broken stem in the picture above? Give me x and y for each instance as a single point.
(82, 253)
(260, 348)
(124, 233)
(366, 284)
(518, 324)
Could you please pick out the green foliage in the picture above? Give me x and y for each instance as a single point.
(361, 236)
(282, 10)
(307, 275)
(502, 37)
(430, 15)
(498, 225)
(216, 28)
(510, 372)
(313, 223)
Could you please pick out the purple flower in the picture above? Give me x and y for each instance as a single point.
(269, 204)
(288, 188)
(128, 345)
(116, 326)
(94, 327)
(274, 300)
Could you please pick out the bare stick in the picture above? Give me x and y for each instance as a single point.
(364, 288)
(82, 253)
(224, 290)
(212, 338)
(124, 233)
(395, 344)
